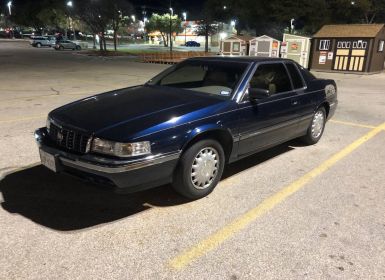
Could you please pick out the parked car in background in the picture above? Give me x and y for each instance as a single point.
(66, 44)
(185, 124)
(192, 44)
(43, 41)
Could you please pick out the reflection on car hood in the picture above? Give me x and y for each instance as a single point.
(130, 110)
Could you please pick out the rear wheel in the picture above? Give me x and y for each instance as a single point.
(38, 45)
(316, 128)
(78, 48)
(200, 169)
(61, 48)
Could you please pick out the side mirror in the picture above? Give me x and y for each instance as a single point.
(258, 93)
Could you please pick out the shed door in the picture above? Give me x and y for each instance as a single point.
(297, 50)
(226, 47)
(350, 55)
(263, 48)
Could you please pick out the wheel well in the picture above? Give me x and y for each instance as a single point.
(327, 108)
(223, 137)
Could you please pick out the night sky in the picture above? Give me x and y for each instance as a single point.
(192, 7)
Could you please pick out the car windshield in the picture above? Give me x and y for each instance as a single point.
(211, 77)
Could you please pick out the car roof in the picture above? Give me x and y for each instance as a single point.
(238, 58)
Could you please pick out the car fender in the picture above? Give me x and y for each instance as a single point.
(195, 133)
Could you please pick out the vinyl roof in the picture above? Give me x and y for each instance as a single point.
(349, 31)
(238, 58)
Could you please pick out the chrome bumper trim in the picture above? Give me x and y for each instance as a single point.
(149, 161)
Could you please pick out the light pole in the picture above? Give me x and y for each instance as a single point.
(9, 5)
(70, 5)
(185, 27)
(171, 15)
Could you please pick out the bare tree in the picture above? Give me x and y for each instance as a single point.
(119, 12)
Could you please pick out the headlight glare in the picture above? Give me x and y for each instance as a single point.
(121, 149)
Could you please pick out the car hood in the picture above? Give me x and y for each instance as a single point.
(132, 109)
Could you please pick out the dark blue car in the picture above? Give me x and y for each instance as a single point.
(185, 124)
(192, 44)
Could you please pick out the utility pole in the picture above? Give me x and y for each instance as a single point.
(171, 14)
(185, 27)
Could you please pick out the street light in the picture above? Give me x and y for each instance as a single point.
(133, 18)
(9, 5)
(185, 26)
(171, 14)
(70, 5)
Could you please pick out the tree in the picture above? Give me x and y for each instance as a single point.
(213, 12)
(206, 28)
(370, 9)
(52, 18)
(118, 12)
(95, 13)
(161, 23)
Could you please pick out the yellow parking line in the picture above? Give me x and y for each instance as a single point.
(351, 123)
(216, 239)
(24, 119)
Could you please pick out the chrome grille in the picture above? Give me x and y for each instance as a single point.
(69, 139)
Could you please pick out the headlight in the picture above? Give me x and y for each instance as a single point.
(120, 149)
(48, 124)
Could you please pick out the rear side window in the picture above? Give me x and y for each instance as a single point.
(272, 77)
(295, 76)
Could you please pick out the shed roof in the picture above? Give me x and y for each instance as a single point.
(263, 37)
(349, 30)
(240, 37)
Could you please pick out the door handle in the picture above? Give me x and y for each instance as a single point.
(294, 102)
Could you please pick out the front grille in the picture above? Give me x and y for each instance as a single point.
(69, 139)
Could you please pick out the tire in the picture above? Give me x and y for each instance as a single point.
(78, 48)
(316, 127)
(61, 48)
(207, 175)
(38, 45)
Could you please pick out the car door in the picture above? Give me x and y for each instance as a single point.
(270, 120)
(66, 44)
(306, 103)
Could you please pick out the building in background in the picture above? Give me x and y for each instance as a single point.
(297, 48)
(264, 46)
(349, 48)
(235, 45)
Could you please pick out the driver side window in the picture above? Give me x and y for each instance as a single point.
(272, 77)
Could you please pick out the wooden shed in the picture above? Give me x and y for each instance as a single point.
(349, 48)
(264, 46)
(297, 48)
(235, 45)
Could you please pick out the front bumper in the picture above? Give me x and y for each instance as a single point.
(124, 175)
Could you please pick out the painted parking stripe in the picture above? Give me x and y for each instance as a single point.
(213, 241)
(352, 123)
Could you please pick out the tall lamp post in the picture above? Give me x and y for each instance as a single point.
(9, 5)
(70, 5)
(171, 15)
(185, 27)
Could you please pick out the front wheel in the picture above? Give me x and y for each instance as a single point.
(199, 169)
(316, 128)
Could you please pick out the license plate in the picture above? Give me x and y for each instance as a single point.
(48, 160)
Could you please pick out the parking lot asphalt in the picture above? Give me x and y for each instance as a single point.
(291, 212)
